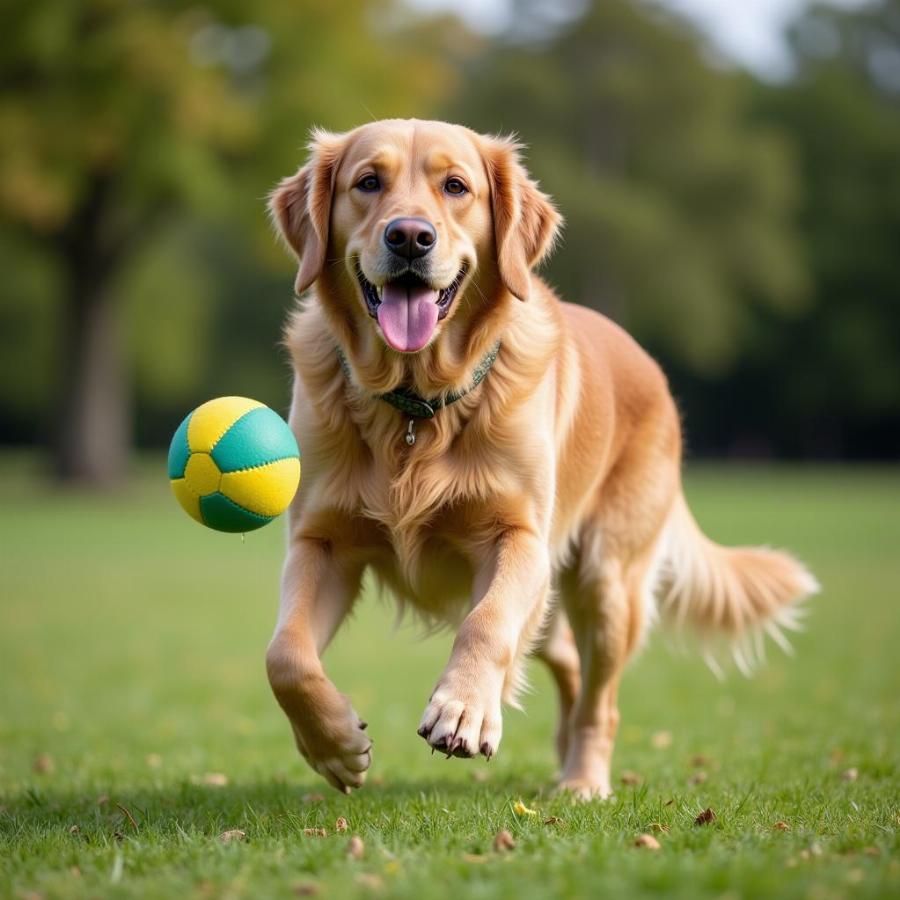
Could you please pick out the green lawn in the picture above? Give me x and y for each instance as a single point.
(131, 669)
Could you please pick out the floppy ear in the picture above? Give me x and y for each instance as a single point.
(300, 206)
(526, 223)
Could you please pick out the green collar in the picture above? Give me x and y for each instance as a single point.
(416, 406)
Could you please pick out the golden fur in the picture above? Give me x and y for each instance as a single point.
(558, 476)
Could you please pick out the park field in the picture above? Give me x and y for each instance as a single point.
(137, 726)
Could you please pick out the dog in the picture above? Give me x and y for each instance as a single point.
(503, 462)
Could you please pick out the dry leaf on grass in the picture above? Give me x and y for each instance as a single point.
(234, 834)
(661, 740)
(212, 779)
(552, 820)
(520, 809)
(315, 797)
(43, 764)
(659, 827)
(315, 832)
(850, 774)
(74, 829)
(700, 761)
(307, 889)
(474, 857)
(341, 824)
(356, 849)
(647, 841)
(631, 779)
(781, 826)
(811, 851)
(871, 851)
(706, 817)
(504, 841)
(698, 778)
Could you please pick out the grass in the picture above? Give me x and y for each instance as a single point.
(131, 667)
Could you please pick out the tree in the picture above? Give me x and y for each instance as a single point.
(678, 209)
(120, 116)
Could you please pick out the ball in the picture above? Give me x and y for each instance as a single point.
(234, 464)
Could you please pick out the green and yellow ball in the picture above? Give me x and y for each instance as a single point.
(234, 464)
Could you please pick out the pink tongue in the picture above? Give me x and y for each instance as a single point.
(407, 316)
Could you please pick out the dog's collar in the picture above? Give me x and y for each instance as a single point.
(417, 407)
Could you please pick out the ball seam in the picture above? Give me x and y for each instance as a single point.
(258, 465)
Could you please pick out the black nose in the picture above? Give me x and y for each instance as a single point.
(409, 238)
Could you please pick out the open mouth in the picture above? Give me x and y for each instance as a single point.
(407, 308)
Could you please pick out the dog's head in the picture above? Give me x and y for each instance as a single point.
(412, 213)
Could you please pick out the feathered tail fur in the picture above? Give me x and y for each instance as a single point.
(741, 593)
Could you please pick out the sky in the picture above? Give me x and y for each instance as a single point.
(748, 32)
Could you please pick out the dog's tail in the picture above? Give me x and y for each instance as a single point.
(741, 593)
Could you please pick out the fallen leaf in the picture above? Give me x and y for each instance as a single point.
(669, 802)
(850, 774)
(871, 851)
(307, 889)
(781, 826)
(74, 829)
(504, 841)
(233, 834)
(214, 779)
(315, 832)
(647, 841)
(552, 820)
(661, 740)
(705, 817)
(700, 761)
(837, 756)
(698, 778)
(520, 809)
(43, 764)
(341, 824)
(631, 779)
(356, 849)
(659, 827)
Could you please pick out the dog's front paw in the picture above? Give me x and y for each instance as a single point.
(328, 732)
(336, 746)
(463, 720)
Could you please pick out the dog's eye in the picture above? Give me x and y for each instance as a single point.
(368, 184)
(455, 186)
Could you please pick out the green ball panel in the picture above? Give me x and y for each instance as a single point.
(179, 451)
(225, 515)
(258, 437)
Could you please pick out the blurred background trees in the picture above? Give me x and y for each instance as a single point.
(746, 232)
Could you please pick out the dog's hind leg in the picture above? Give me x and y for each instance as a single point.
(558, 651)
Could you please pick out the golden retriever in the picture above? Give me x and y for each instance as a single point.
(500, 460)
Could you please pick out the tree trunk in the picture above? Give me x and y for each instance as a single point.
(93, 423)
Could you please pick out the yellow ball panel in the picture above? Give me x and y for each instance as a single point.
(189, 501)
(266, 490)
(211, 420)
(202, 475)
